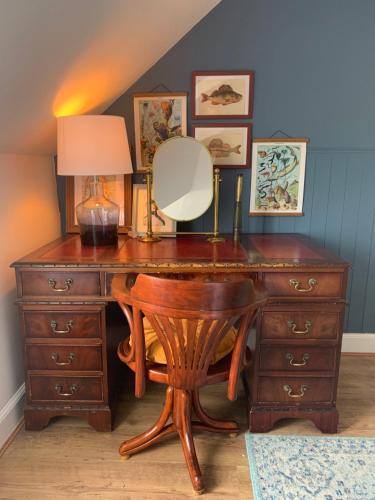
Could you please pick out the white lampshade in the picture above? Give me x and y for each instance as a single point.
(92, 145)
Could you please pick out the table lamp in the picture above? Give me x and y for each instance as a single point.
(94, 146)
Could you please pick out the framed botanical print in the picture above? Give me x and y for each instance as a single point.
(160, 222)
(228, 143)
(222, 94)
(157, 117)
(118, 188)
(278, 176)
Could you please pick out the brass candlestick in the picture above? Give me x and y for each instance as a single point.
(149, 237)
(215, 238)
(237, 218)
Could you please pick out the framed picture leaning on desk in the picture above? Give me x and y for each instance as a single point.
(160, 222)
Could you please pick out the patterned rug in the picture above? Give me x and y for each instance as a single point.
(301, 467)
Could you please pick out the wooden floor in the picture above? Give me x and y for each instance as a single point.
(69, 460)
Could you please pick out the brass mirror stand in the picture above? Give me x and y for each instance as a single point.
(213, 236)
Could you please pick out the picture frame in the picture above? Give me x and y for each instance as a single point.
(139, 219)
(222, 94)
(228, 143)
(119, 191)
(278, 176)
(157, 117)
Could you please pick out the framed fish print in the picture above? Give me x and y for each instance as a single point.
(157, 117)
(160, 222)
(228, 143)
(278, 176)
(222, 94)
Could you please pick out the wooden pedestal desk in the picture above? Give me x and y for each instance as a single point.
(63, 291)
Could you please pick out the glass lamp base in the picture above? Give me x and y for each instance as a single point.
(97, 217)
(98, 235)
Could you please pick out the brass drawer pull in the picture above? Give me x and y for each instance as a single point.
(297, 285)
(73, 388)
(70, 358)
(289, 356)
(292, 327)
(288, 389)
(68, 283)
(69, 326)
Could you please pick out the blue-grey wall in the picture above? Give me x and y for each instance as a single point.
(315, 74)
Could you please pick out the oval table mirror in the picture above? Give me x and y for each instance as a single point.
(181, 183)
(182, 178)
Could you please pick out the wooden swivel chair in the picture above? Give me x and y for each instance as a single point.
(190, 318)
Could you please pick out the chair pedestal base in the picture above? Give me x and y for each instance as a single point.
(178, 406)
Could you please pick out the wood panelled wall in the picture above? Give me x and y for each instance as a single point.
(339, 213)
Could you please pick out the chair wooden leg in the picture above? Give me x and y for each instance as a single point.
(209, 423)
(182, 420)
(147, 438)
(178, 405)
(165, 432)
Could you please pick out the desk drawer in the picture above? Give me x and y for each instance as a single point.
(69, 389)
(62, 324)
(297, 358)
(295, 390)
(51, 283)
(301, 324)
(63, 357)
(297, 284)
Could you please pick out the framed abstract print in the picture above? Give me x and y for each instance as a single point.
(228, 143)
(117, 188)
(160, 222)
(157, 117)
(222, 94)
(278, 176)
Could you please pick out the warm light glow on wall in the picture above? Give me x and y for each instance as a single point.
(84, 93)
(74, 105)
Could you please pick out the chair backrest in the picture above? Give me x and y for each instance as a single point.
(190, 319)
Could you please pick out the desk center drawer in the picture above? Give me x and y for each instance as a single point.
(63, 357)
(57, 283)
(297, 358)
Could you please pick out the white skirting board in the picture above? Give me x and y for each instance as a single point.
(11, 414)
(358, 343)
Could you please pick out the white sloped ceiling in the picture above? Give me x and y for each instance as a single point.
(61, 57)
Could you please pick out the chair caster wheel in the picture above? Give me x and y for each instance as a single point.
(124, 457)
(233, 435)
(198, 492)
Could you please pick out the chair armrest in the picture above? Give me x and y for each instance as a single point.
(120, 288)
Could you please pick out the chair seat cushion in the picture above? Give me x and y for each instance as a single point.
(155, 352)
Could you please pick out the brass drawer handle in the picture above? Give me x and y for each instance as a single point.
(69, 326)
(68, 283)
(73, 388)
(288, 389)
(70, 358)
(292, 327)
(289, 356)
(297, 285)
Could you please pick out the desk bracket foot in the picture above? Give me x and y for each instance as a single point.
(263, 419)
